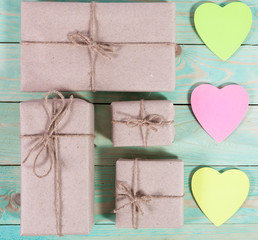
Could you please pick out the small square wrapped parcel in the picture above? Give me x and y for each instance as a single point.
(57, 170)
(149, 193)
(98, 46)
(143, 123)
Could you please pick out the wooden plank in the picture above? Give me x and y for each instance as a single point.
(190, 231)
(104, 197)
(195, 65)
(9, 134)
(185, 32)
(192, 144)
(10, 194)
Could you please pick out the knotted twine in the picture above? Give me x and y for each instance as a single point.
(49, 141)
(135, 198)
(149, 122)
(104, 49)
(95, 48)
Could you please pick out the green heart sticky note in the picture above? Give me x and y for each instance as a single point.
(223, 29)
(219, 195)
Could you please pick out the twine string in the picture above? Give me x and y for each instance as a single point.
(49, 141)
(146, 122)
(134, 197)
(103, 49)
(57, 174)
(46, 140)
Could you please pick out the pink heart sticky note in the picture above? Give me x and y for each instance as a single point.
(219, 111)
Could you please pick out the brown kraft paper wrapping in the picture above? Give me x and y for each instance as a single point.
(142, 35)
(38, 198)
(154, 128)
(162, 178)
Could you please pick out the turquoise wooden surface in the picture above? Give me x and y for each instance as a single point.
(192, 144)
(195, 64)
(189, 232)
(104, 197)
(185, 33)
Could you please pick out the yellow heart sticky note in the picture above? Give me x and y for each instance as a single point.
(219, 195)
(223, 29)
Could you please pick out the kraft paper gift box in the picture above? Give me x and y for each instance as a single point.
(149, 193)
(58, 199)
(143, 123)
(59, 51)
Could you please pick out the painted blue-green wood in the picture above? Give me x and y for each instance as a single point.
(192, 143)
(195, 65)
(105, 191)
(10, 195)
(189, 232)
(185, 32)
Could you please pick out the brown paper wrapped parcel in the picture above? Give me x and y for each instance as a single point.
(57, 195)
(143, 123)
(149, 193)
(98, 46)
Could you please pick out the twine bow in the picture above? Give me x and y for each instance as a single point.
(46, 140)
(103, 49)
(149, 122)
(134, 197)
(95, 48)
(107, 49)
(49, 141)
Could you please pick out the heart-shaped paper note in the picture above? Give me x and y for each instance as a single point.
(219, 195)
(219, 111)
(223, 29)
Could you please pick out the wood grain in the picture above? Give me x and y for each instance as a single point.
(191, 232)
(185, 32)
(10, 194)
(195, 65)
(192, 144)
(104, 197)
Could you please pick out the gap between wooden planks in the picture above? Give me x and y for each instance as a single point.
(185, 32)
(104, 197)
(195, 65)
(192, 144)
